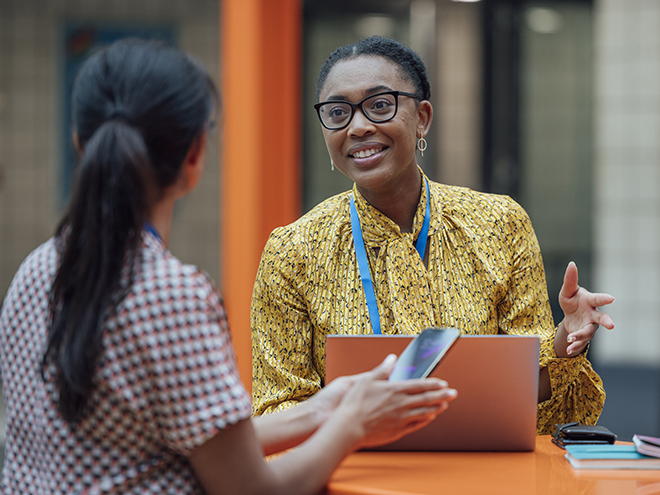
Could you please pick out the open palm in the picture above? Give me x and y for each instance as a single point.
(581, 315)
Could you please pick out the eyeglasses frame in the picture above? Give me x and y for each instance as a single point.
(355, 106)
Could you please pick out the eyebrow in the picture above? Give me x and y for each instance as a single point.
(370, 91)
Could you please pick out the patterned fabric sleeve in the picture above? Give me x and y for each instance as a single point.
(191, 389)
(282, 361)
(577, 391)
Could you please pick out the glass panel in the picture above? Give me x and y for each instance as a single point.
(556, 149)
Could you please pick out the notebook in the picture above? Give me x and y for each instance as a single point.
(497, 381)
(647, 445)
(609, 457)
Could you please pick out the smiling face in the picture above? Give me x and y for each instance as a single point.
(379, 158)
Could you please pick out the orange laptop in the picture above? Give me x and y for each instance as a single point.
(496, 377)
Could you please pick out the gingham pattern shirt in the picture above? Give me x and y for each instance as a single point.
(166, 383)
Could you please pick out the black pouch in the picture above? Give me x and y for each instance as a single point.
(577, 434)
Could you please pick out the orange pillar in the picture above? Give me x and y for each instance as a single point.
(260, 179)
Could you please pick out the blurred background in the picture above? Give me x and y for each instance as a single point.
(556, 103)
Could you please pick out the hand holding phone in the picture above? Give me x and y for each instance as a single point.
(424, 353)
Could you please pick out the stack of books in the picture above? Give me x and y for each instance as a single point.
(644, 454)
(647, 445)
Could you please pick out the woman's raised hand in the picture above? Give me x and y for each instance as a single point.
(581, 315)
(386, 411)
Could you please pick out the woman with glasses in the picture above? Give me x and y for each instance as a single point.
(400, 253)
(116, 359)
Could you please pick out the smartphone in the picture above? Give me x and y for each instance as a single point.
(424, 353)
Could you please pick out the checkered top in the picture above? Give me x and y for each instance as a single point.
(166, 383)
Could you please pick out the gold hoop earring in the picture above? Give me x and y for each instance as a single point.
(421, 145)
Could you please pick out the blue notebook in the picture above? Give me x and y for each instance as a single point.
(609, 457)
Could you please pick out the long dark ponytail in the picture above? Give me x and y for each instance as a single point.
(138, 106)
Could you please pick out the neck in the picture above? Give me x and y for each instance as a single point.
(399, 203)
(160, 217)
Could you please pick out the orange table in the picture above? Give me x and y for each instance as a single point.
(542, 472)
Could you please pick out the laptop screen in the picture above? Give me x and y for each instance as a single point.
(496, 377)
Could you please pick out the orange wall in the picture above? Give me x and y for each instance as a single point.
(260, 179)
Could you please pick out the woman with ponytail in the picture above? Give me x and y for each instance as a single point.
(116, 359)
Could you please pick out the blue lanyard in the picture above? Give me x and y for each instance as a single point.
(363, 263)
(150, 228)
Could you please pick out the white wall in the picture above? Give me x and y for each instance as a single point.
(627, 177)
(31, 64)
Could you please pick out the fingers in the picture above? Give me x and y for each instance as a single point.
(406, 423)
(342, 382)
(394, 409)
(410, 394)
(581, 314)
(578, 340)
(606, 321)
(593, 319)
(585, 334)
(434, 405)
(424, 413)
(417, 386)
(402, 428)
(418, 418)
(431, 400)
(603, 319)
(436, 397)
(384, 369)
(570, 285)
(599, 299)
(576, 348)
(417, 424)
(415, 419)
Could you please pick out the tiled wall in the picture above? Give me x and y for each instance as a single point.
(627, 167)
(31, 62)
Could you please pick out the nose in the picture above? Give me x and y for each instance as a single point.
(360, 125)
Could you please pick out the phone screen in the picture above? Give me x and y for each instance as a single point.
(424, 353)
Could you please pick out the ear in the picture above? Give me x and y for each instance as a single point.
(193, 165)
(424, 118)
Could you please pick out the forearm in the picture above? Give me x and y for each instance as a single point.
(285, 429)
(373, 412)
(545, 388)
(308, 468)
(232, 463)
(553, 351)
(561, 342)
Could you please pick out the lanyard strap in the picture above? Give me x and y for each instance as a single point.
(363, 262)
(150, 228)
(423, 237)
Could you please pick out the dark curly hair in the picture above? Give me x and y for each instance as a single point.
(409, 63)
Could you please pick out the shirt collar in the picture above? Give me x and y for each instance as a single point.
(376, 227)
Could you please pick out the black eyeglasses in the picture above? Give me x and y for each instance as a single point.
(378, 108)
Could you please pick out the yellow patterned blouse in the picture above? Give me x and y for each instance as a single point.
(485, 276)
